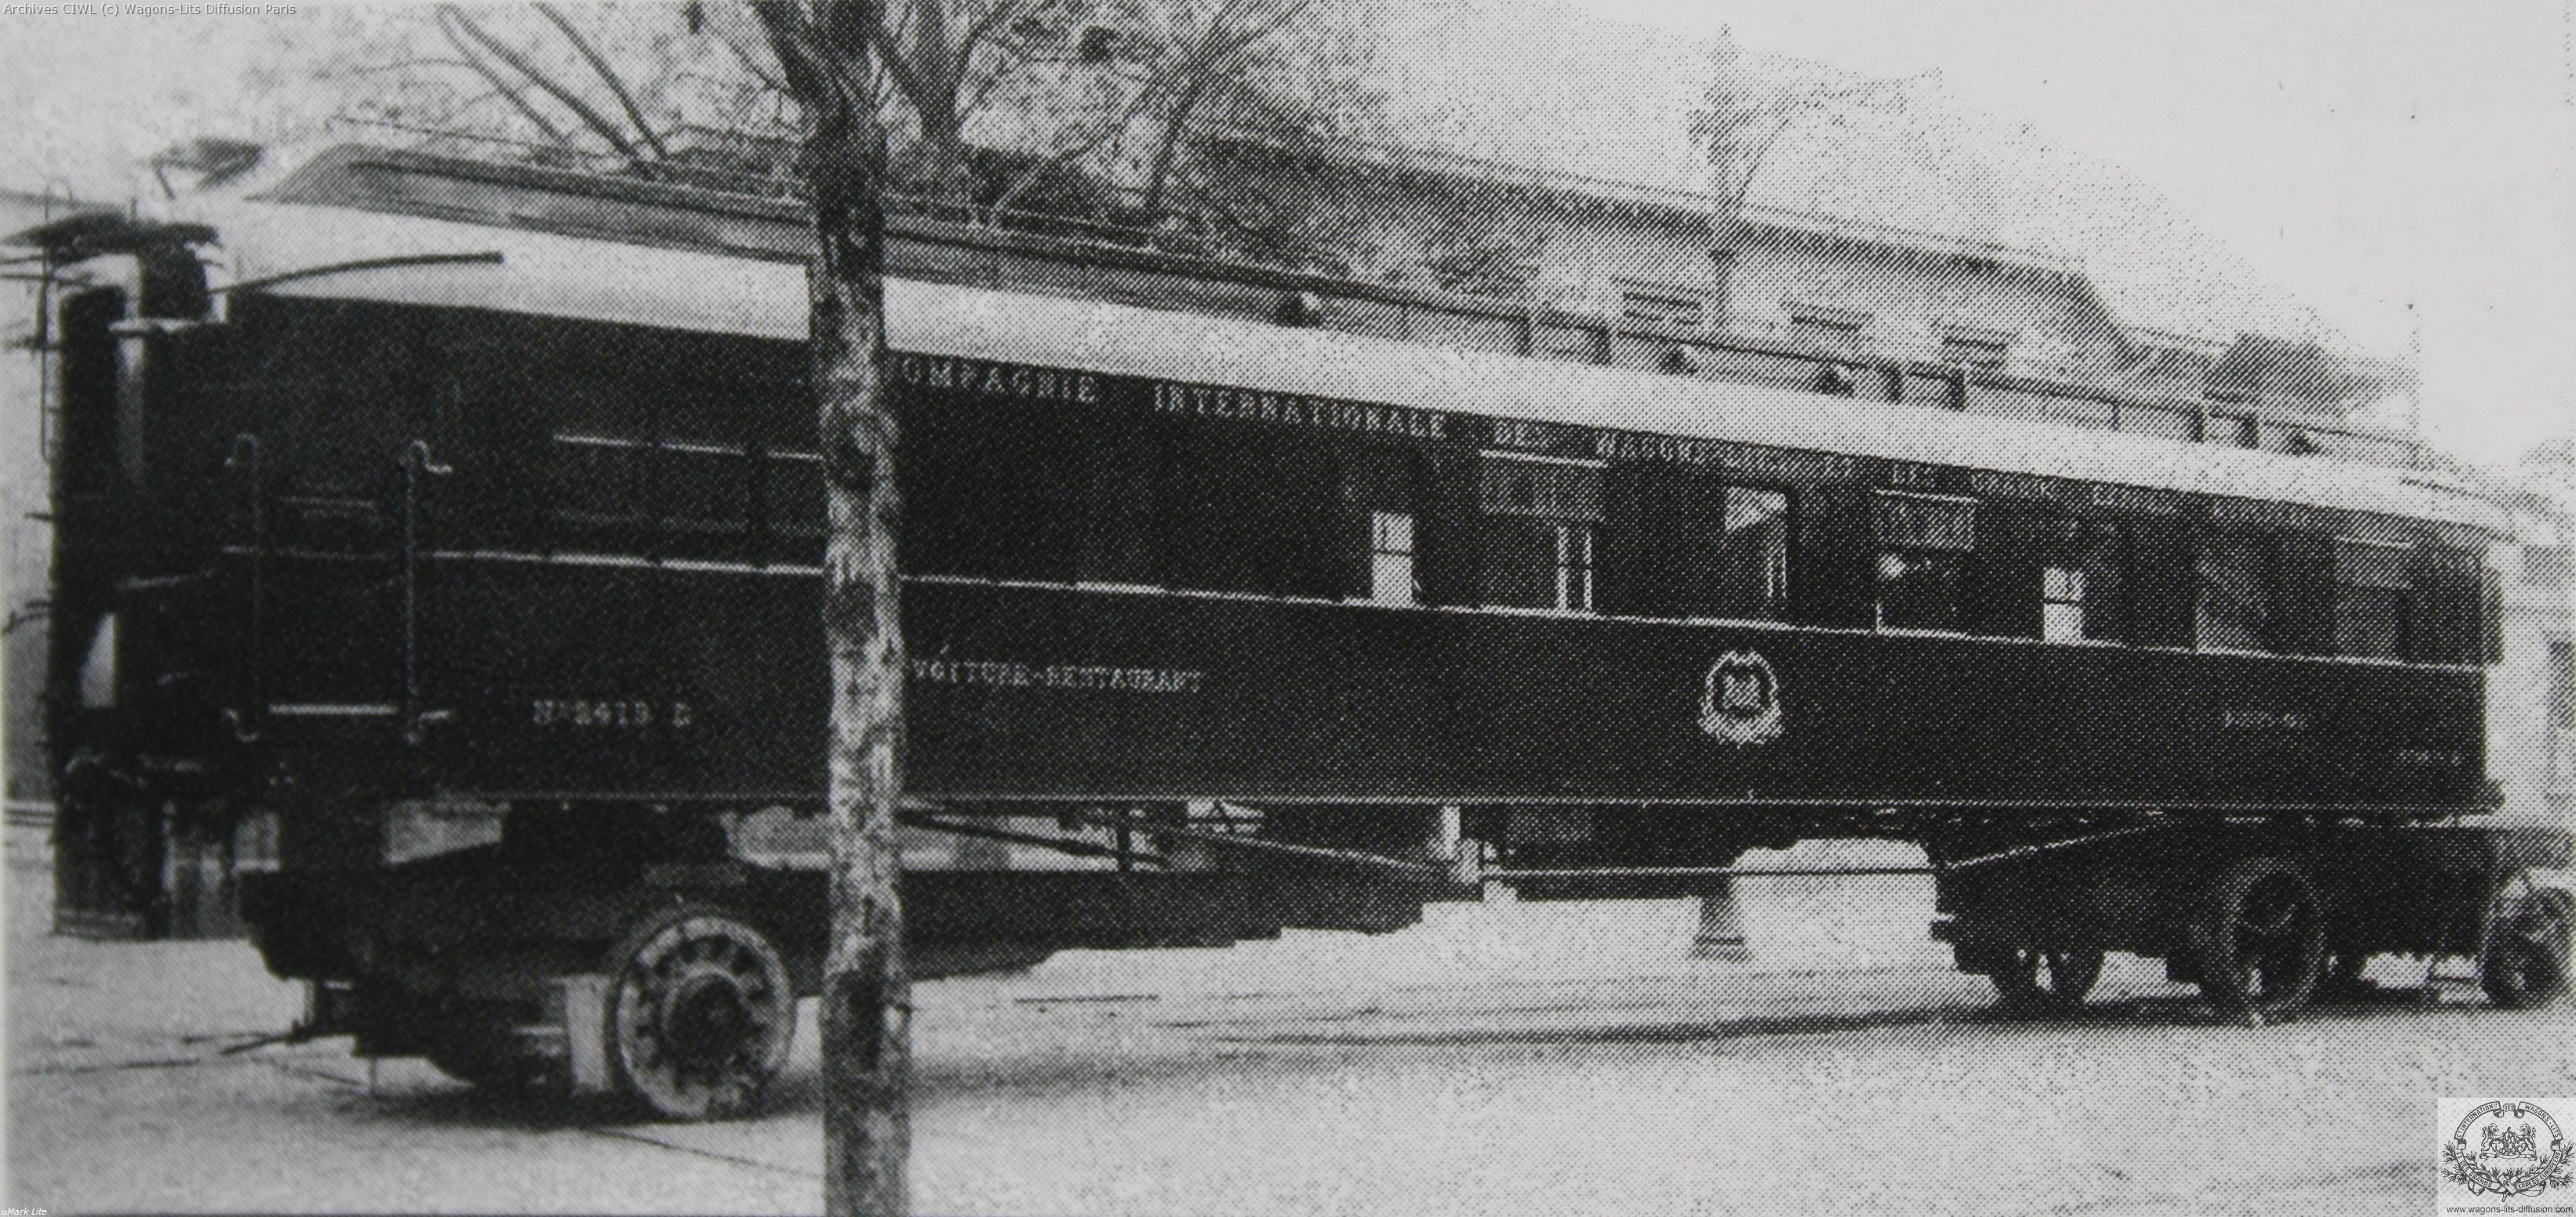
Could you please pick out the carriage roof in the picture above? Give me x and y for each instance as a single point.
(633, 284)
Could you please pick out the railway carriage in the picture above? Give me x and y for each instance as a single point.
(475, 567)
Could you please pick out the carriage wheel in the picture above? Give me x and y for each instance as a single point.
(2525, 960)
(2043, 979)
(2260, 937)
(700, 1016)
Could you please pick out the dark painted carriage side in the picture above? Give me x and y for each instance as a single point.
(607, 594)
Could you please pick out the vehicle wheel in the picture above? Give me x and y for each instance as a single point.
(700, 1014)
(2525, 960)
(2042, 979)
(2260, 937)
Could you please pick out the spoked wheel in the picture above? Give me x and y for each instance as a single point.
(2525, 959)
(2042, 979)
(2261, 938)
(700, 1016)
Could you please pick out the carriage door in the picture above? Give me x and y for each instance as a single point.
(341, 479)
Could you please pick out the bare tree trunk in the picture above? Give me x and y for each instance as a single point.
(1169, 146)
(867, 999)
(947, 178)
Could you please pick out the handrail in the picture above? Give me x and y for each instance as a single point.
(418, 466)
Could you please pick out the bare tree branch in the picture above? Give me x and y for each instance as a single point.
(399, 65)
(1081, 148)
(1741, 123)
(992, 19)
(788, 39)
(1255, 33)
(897, 66)
(593, 119)
(491, 75)
(1199, 67)
(750, 62)
(607, 76)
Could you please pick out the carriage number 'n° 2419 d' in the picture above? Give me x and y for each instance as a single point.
(611, 715)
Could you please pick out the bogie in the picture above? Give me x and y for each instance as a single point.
(2263, 918)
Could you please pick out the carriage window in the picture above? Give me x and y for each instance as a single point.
(1539, 531)
(2235, 576)
(1549, 489)
(618, 490)
(1683, 543)
(1753, 558)
(1574, 567)
(1391, 574)
(703, 487)
(1544, 564)
(1378, 499)
(1258, 512)
(2450, 608)
(1923, 543)
(2374, 598)
(598, 478)
(2082, 581)
(2061, 604)
(791, 493)
(995, 493)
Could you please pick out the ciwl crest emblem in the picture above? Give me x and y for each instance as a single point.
(1741, 701)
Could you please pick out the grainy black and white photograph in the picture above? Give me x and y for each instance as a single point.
(1051, 608)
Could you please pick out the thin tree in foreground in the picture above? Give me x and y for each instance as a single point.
(823, 55)
(842, 61)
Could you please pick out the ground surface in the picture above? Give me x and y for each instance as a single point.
(1524, 1059)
